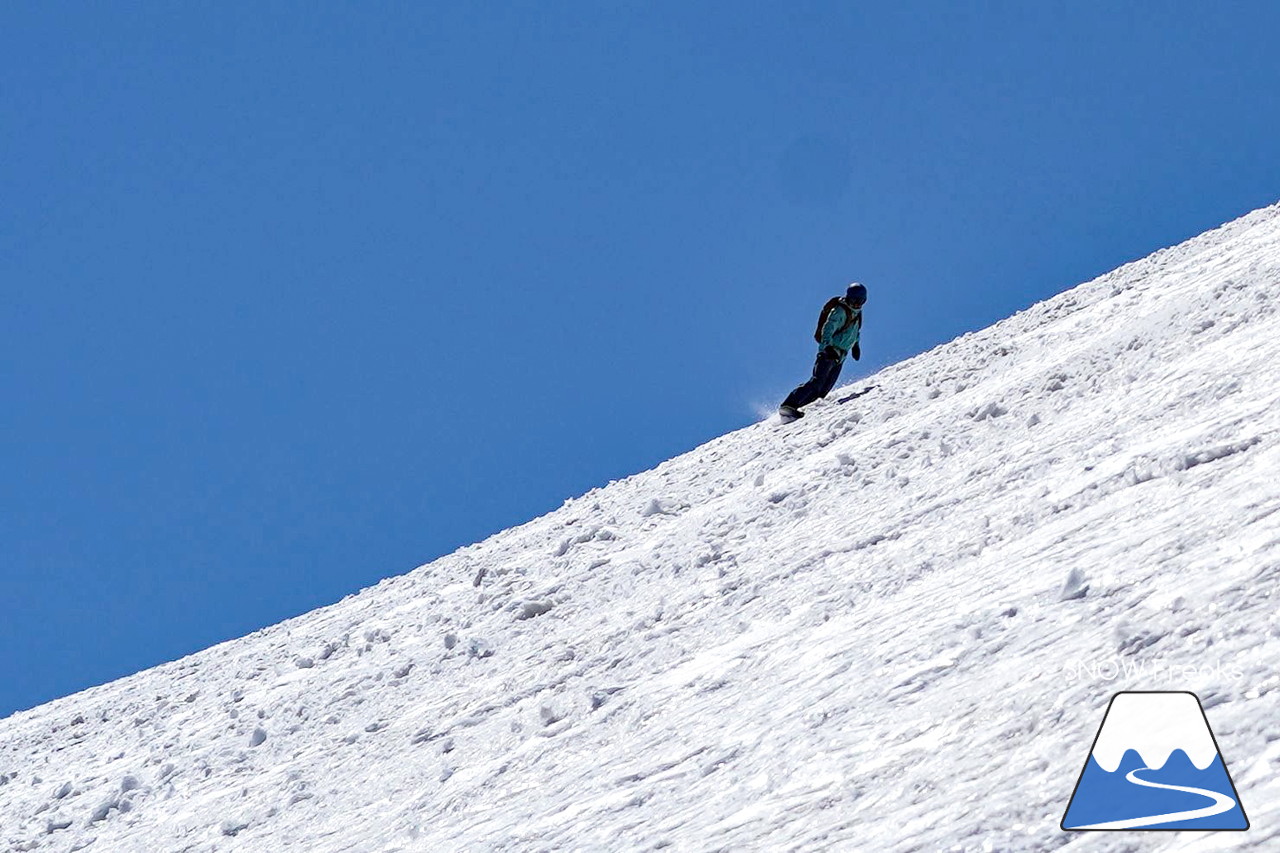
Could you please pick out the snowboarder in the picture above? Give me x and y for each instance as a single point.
(839, 328)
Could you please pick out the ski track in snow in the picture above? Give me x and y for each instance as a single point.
(853, 633)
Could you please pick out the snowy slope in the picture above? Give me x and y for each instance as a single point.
(892, 626)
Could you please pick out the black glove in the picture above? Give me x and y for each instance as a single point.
(856, 352)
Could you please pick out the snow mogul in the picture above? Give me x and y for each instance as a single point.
(839, 328)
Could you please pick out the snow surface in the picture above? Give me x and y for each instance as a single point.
(892, 626)
(1154, 725)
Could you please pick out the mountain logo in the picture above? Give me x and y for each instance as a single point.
(1154, 765)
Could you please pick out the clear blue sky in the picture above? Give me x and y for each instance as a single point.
(299, 296)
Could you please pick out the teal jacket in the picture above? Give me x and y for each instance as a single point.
(840, 326)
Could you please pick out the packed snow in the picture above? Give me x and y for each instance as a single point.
(894, 625)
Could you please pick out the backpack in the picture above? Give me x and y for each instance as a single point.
(851, 317)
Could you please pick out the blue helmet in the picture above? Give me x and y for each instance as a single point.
(856, 295)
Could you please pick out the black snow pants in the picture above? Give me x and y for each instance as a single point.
(826, 370)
